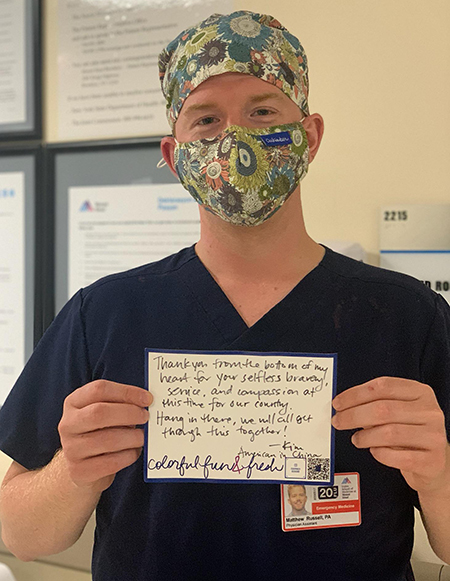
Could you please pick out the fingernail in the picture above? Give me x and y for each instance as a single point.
(146, 399)
(336, 403)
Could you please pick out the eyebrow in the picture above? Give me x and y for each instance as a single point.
(195, 108)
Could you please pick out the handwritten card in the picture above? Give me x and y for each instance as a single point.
(234, 416)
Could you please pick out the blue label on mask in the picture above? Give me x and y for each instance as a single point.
(280, 138)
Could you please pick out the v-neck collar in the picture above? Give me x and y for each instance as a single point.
(208, 293)
(227, 319)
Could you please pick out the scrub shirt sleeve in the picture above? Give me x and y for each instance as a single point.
(60, 364)
(435, 364)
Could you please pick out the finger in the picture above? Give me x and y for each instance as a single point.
(93, 469)
(103, 442)
(101, 415)
(406, 460)
(109, 391)
(397, 436)
(378, 413)
(382, 388)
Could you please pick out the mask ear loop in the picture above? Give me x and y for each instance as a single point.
(161, 163)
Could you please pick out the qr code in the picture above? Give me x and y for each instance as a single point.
(318, 468)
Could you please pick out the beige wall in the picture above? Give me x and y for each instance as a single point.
(380, 77)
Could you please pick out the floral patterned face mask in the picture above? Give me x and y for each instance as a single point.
(244, 175)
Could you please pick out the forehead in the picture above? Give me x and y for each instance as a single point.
(218, 88)
(297, 489)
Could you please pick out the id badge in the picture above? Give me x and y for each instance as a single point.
(321, 507)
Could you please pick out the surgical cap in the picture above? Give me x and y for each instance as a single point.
(241, 42)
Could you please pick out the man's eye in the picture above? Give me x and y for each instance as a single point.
(206, 121)
(263, 112)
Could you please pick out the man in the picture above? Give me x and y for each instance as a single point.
(297, 499)
(236, 89)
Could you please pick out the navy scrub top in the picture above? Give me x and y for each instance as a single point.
(379, 323)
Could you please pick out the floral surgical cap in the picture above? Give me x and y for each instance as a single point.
(241, 42)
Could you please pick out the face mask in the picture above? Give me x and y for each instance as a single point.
(244, 175)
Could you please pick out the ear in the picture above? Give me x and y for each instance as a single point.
(167, 149)
(314, 127)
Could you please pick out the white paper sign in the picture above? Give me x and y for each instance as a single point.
(12, 61)
(108, 63)
(221, 416)
(12, 280)
(115, 228)
(415, 240)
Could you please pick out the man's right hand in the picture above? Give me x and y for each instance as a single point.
(98, 431)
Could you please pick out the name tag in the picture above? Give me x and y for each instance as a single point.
(321, 507)
(280, 138)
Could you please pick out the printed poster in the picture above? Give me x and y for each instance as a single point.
(12, 280)
(12, 62)
(108, 63)
(115, 228)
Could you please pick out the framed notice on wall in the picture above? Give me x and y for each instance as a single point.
(108, 81)
(20, 101)
(415, 240)
(18, 250)
(113, 210)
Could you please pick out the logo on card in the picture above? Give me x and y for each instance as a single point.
(295, 468)
(346, 480)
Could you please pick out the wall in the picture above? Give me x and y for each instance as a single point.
(380, 77)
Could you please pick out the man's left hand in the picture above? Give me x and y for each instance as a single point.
(402, 425)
